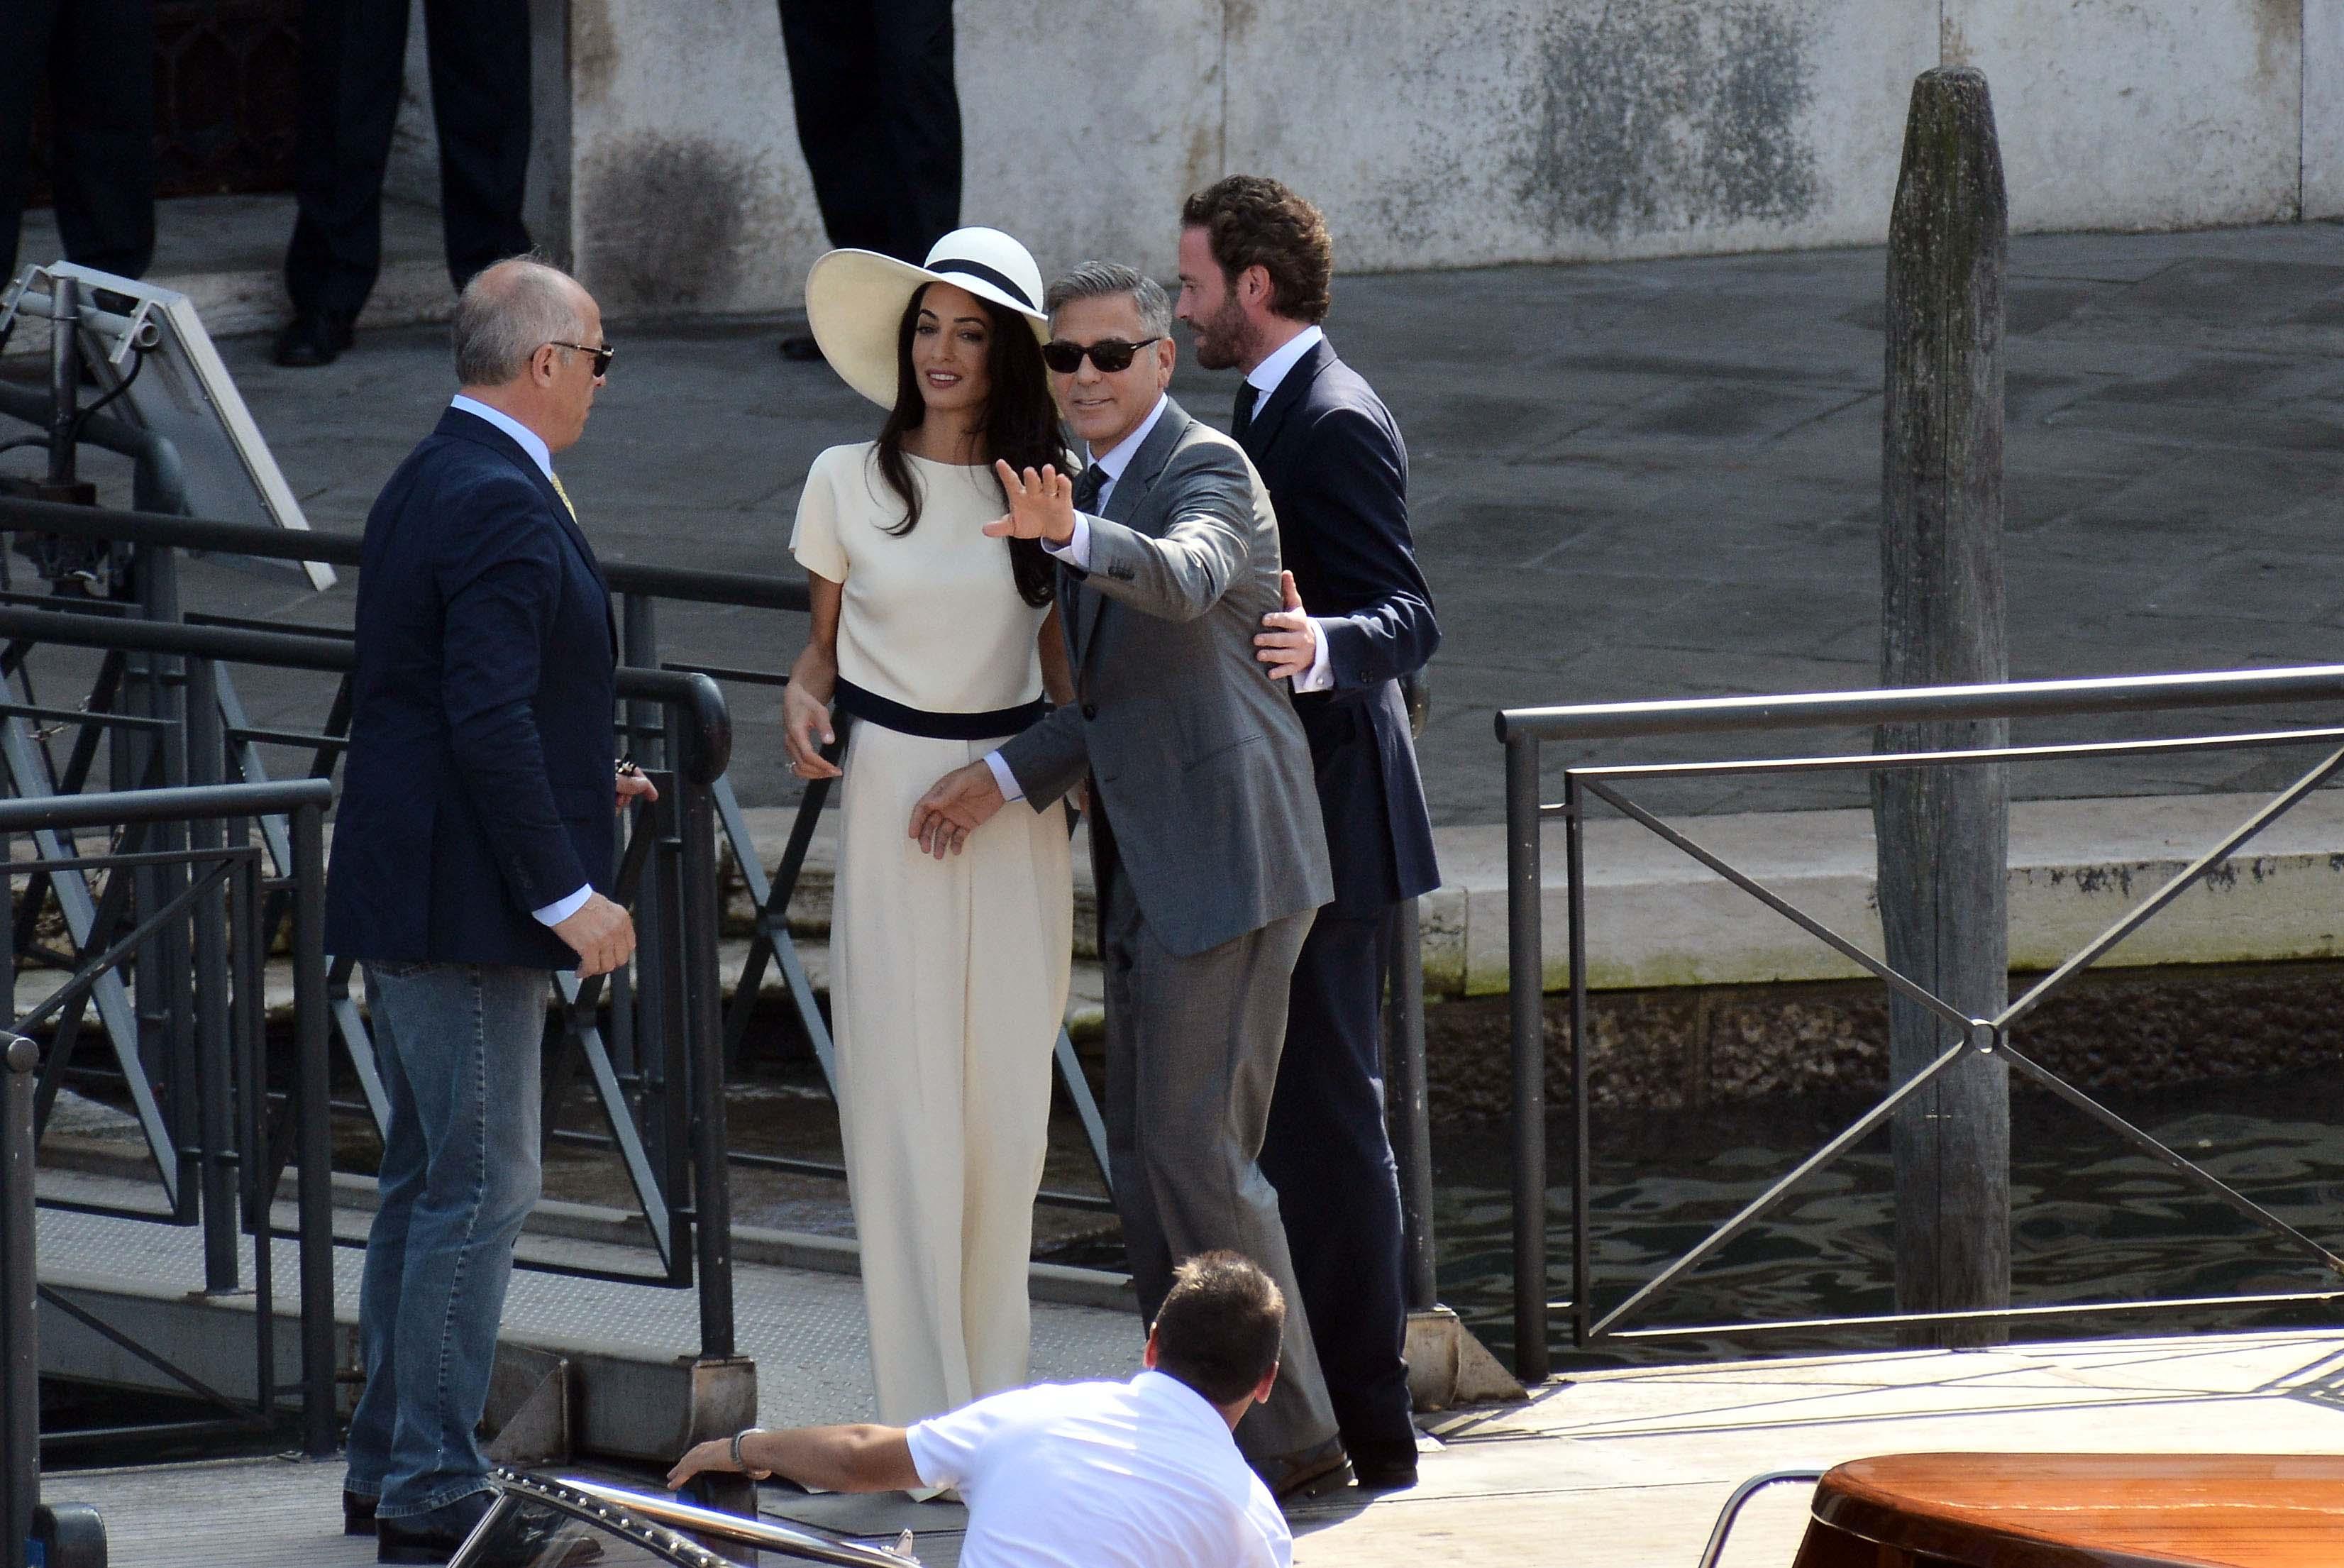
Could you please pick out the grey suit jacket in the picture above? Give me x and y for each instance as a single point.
(1195, 754)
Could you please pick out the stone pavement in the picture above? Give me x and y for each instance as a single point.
(1612, 1470)
(1646, 479)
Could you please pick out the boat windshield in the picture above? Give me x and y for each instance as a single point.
(539, 1523)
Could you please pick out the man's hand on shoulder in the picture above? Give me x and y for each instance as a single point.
(601, 933)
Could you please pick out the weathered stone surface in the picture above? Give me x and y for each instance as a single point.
(2123, 115)
(1450, 133)
(2129, 1030)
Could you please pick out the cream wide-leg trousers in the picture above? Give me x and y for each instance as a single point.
(948, 984)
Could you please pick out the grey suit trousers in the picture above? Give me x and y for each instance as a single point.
(1192, 1049)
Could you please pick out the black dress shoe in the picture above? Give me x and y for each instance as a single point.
(312, 338)
(357, 1512)
(801, 349)
(533, 1541)
(433, 1537)
(1382, 1466)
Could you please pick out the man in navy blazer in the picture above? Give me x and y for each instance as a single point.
(1255, 265)
(472, 848)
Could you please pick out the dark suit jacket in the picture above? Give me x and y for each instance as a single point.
(1338, 476)
(478, 786)
(1196, 758)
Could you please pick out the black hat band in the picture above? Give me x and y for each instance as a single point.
(984, 274)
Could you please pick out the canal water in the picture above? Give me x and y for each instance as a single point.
(2093, 1220)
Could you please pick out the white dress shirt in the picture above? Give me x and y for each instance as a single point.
(1076, 551)
(1265, 380)
(1142, 1474)
(529, 441)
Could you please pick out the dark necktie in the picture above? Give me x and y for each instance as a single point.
(1242, 420)
(1088, 485)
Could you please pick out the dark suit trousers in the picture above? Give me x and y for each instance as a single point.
(353, 60)
(1329, 1157)
(97, 59)
(878, 118)
(1192, 1046)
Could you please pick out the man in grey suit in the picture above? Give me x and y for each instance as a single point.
(1205, 827)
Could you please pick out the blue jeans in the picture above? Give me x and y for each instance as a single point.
(458, 1048)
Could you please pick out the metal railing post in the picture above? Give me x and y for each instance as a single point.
(314, 1138)
(1407, 1109)
(704, 1019)
(1525, 982)
(216, 1075)
(1583, 1266)
(20, 1358)
(65, 376)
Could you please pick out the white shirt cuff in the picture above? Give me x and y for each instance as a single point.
(1010, 788)
(561, 909)
(1076, 551)
(1321, 676)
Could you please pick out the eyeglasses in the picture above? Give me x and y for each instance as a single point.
(1109, 354)
(602, 356)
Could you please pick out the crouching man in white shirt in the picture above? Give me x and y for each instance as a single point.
(1143, 1474)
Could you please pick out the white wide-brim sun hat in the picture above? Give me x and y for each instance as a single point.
(855, 299)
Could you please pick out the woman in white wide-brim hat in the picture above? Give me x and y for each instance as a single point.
(948, 977)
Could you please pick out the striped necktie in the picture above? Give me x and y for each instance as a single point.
(564, 495)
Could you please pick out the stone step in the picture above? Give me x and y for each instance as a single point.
(226, 253)
(1658, 918)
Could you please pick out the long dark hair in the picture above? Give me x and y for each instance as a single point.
(1021, 425)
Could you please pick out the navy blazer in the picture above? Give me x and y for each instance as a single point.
(478, 786)
(1337, 471)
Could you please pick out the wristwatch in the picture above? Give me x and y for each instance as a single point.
(738, 1463)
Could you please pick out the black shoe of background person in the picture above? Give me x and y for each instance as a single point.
(312, 338)
(1313, 1472)
(1382, 1466)
(798, 347)
(357, 1512)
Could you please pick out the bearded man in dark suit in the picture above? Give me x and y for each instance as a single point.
(1255, 265)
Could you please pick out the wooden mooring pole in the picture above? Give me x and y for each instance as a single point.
(1943, 832)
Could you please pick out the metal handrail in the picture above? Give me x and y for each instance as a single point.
(1924, 704)
(637, 586)
(1712, 1554)
(743, 589)
(1523, 732)
(683, 827)
(240, 1175)
(708, 753)
(186, 803)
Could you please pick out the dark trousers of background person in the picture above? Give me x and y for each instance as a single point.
(353, 70)
(878, 118)
(1338, 1187)
(1328, 1152)
(97, 59)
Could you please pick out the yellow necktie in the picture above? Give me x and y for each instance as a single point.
(564, 495)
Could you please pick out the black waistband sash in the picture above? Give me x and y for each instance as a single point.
(873, 708)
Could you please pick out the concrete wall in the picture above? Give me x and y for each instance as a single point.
(1447, 132)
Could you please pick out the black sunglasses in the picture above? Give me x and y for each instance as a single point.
(1109, 354)
(602, 356)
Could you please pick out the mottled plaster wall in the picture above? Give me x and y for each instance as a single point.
(1446, 133)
